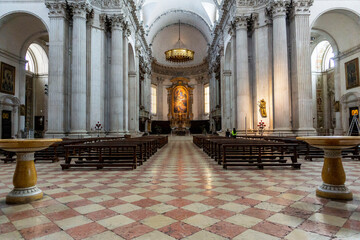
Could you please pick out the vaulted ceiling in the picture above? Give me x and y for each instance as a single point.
(160, 16)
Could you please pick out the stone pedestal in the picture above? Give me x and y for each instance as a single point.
(25, 176)
(333, 174)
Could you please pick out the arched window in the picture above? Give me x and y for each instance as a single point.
(322, 57)
(153, 99)
(206, 99)
(38, 61)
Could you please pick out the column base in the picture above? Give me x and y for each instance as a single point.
(24, 195)
(282, 132)
(54, 135)
(305, 132)
(340, 192)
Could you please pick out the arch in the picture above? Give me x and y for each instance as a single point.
(39, 58)
(26, 12)
(131, 58)
(320, 54)
(171, 17)
(330, 10)
(21, 28)
(228, 56)
(321, 36)
(350, 97)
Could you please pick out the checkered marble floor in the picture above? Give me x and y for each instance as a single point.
(180, 193)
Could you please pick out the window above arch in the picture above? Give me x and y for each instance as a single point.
(322, 58)
(37, 59)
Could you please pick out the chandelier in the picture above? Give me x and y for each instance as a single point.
(179, 54)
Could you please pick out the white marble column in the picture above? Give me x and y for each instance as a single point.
(78, 70)
(227, 100)
(57, 56)
(133, 107)
(233, 82)
(301, 68)
(212, 91)
(97, 73)
(126, 80)
(263, 69)
(282, 102)
(337, 85)
(116, 79)
(243, 98)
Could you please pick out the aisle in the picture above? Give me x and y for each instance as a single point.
(180, 193)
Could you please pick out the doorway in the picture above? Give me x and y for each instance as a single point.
(6, 124)
(354, 111)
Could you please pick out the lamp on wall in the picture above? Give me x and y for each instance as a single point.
(179, 54)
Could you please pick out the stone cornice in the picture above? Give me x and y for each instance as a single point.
(180, 71)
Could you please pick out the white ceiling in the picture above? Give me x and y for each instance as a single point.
(160, 16)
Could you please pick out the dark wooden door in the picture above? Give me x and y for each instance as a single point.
(6, 124)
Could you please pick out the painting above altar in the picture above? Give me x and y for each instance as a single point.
(180, 100)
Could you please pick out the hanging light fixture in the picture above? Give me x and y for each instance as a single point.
(179, 54)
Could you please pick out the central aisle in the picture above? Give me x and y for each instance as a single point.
(180, 193)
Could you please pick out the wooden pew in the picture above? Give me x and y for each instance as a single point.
(102, 154)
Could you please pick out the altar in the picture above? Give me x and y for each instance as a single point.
(180, 100)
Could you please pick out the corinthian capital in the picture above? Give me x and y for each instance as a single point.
(56, 8)
(301, 7)
(117, 21)
(79, 8)
(279, 7)
(241, 22)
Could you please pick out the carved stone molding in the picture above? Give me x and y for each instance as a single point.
(80, 8)
(107, 3)
(301, 7)
(56, 9)
(117, 21)
(241, 22)
(180, 71)
(279, 7)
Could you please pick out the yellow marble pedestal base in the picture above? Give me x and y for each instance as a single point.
(333, 174)
(25, 176)
(24, 181)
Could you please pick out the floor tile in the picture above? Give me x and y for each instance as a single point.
(251, 234)
(158, 221)
(179, 230)
(243, 220)
(200, 221)
(115, 221)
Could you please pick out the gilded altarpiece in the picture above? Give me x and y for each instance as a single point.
(180, 100)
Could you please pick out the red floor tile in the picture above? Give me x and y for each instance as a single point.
(179, 230)
(85, 230)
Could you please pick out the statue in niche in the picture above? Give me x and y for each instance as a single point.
(262, 106)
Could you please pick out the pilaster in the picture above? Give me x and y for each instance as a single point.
(282, 117)
(117, 79)
(301, 67)
(78, 73)
(243, 102)
(57, 56)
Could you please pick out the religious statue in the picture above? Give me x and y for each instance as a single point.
(262, 107)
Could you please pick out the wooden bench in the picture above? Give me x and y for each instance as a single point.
(260, 155)
(103, 154)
